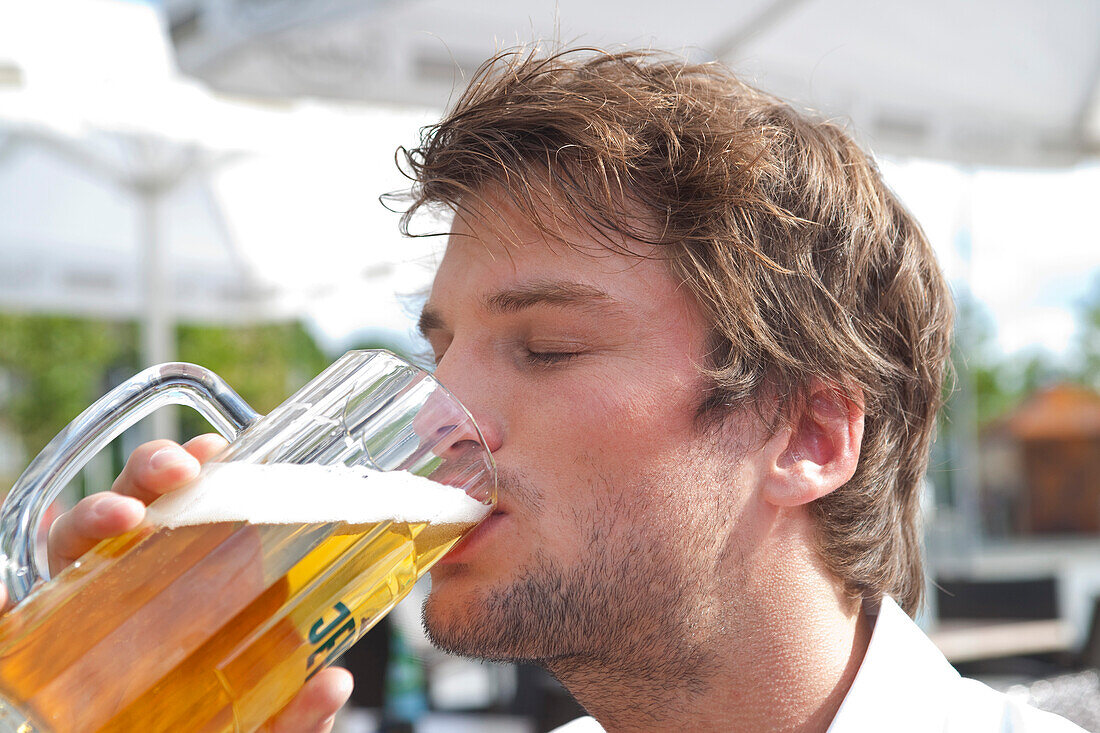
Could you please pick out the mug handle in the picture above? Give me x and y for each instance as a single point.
(166, 384)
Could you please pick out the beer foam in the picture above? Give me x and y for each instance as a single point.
(290, 493)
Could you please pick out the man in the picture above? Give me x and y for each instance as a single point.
(705, 344)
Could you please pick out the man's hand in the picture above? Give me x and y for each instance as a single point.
(153, 469)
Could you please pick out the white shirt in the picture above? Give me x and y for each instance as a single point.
(905, 685)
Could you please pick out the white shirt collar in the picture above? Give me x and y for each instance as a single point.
(902, 676)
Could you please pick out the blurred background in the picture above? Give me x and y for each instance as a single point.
(199, 180)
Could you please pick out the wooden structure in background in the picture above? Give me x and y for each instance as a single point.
(1056, 436)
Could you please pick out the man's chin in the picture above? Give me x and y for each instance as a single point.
(458, 626)
(473, 620)
(528, 618)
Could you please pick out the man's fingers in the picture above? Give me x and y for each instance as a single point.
(155, 468)
(95, 518)
(205, 447)
(160, 466)
(316, 705)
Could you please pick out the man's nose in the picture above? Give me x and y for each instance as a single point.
(444, 427)
(471, 388)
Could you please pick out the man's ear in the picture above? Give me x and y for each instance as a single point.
(817, 452)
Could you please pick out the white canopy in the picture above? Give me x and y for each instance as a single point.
(992, 82)
(126, 191)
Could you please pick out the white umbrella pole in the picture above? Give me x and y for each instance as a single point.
(157, 337)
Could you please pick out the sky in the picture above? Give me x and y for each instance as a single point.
(1033, 250)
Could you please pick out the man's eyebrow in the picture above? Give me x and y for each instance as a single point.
(560, 293)
(555, 293)
(430, 320)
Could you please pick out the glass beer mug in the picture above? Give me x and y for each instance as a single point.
(239, 587)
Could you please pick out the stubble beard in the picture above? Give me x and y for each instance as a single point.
(621, 616)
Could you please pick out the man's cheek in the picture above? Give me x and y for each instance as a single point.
(644, 413)
(602, 396)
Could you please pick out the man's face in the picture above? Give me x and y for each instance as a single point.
(617, 509)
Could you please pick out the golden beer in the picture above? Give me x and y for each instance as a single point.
(195, 623)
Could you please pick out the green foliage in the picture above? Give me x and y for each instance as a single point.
(55, 367)
(265, 364)
(52, 367)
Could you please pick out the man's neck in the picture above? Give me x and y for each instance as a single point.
(787, 669)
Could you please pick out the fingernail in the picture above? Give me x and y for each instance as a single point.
(172, 457)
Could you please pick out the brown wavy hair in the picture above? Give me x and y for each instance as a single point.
(806, 264)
